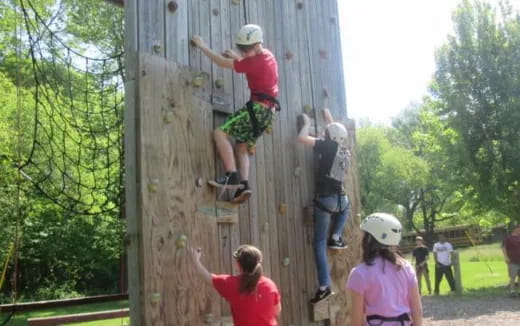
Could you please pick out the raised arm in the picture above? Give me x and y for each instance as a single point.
(327, 116)
(303, 135)
(215, 57)
(202, 272)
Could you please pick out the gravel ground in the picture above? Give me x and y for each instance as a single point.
(483, 311)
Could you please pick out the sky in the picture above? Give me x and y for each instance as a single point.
(388, 51)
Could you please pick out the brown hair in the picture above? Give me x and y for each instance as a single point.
(373, 249)
(250, 260)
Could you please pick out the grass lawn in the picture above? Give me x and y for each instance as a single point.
(20, 319)
(483, 271)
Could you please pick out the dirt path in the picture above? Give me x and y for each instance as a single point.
(484, 311)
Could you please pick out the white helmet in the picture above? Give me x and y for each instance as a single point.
(385, 228)
(337, 132)
(249, 34)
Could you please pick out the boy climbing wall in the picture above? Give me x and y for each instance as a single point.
(248, 123)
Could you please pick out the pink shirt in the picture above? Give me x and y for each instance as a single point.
(386, 293)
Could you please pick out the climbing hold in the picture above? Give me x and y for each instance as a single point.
(197, 81)
(332, 20)
(236, 2)
(297, 171)
(299, 5)
(307, 108)
(208, 319)
(153, 185)
(157, 48)
(172, 6)
(219, 83)
(168, 117)
(286, 261)
(282, 209)
(325, 93)
(199, 182)
(155, 297)
(180, 242)
(289, 55)
(323, 54)
(215, 12)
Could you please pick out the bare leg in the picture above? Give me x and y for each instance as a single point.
(243, 160)
(225, 150)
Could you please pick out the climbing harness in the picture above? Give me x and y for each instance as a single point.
(257, 130)
(401, 318)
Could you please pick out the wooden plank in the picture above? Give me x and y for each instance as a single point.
(77, 318)
(150, 23)
(293, 164)
(282, 172)
(270, 158)
(176, 32)
(132, 189)
(170, 195)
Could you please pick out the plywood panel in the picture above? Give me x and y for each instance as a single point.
(173, 124)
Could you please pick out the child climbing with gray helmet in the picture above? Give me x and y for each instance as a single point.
(384, 286)
(331, 205)
(247, 124)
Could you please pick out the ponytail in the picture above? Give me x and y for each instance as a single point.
(250, 260)
(248, 281)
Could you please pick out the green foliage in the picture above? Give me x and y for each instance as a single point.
(477, 86)
(61, 253)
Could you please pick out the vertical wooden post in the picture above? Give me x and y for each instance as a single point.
(457, 274)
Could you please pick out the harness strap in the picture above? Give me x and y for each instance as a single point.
(318, 204)
(254, 120)
(273, 100)
(382, 319)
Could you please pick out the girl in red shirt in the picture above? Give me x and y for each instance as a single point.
(254, 298)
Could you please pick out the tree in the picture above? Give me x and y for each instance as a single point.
(477, 86)
(391, 175)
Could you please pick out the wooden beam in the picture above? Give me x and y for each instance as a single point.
(61, 303)
(119, 3)
(76, 318)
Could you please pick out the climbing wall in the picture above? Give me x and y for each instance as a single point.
(174, 99)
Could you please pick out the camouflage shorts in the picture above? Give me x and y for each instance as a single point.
(239, 125)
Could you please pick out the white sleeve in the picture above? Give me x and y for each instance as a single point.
(450, 247)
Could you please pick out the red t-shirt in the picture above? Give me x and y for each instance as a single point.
(256, 309)
(261, 72)
(512, 246)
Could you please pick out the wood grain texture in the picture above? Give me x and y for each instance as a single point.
(166, 157)
(172, 294)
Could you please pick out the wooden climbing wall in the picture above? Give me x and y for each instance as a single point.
(174, 98)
